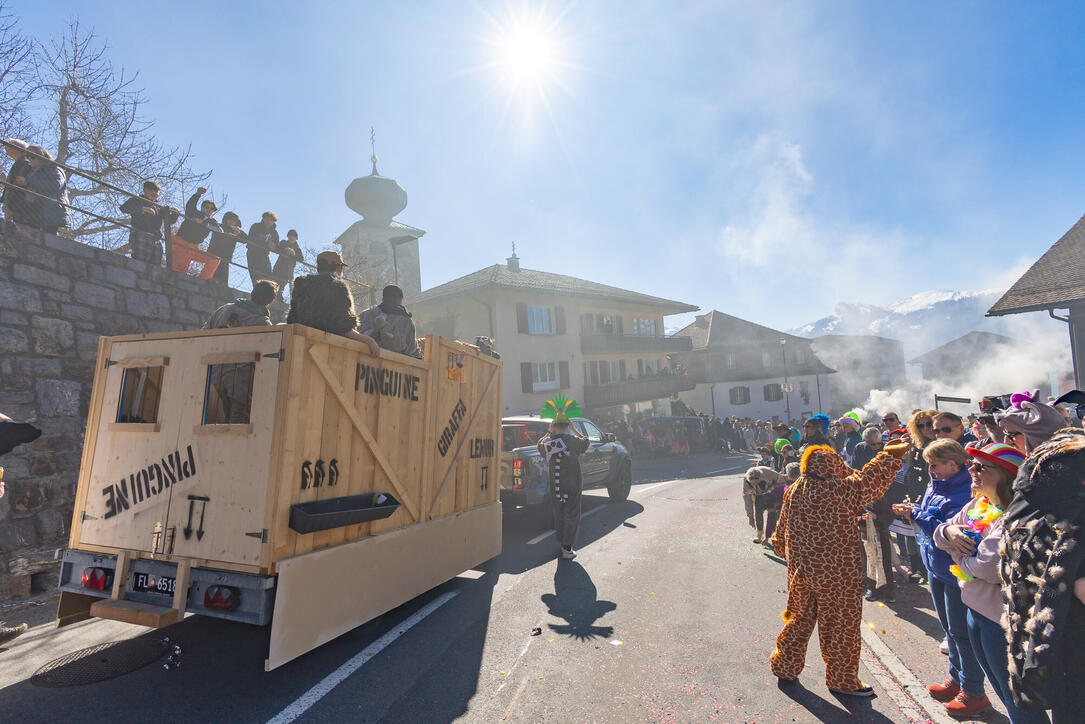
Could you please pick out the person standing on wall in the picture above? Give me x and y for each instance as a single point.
(148, 220)
(562, 447)
(13, 200)
(263, 238)
(289, 256)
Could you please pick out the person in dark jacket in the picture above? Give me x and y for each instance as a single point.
(288, 258)
(223, 243)
(882, 517)
(148, 220)
(1043, 579)
(562, 451)
(323, 301)
(199, 221)
(390, 323)
(950, 490)
(950, 426)
(13, 200)
(263, 238)
(47, 206)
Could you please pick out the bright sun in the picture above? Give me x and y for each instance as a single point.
(527, 53)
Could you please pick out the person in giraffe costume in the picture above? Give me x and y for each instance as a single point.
(818, 534)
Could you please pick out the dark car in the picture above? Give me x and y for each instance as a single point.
(524, 479)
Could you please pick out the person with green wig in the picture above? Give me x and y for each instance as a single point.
(562, 447)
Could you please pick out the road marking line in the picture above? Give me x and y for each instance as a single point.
(332, 680)
(725, 470)
(512, 704)
(639, 491)
(543, 536)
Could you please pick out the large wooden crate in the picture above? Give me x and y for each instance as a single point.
(328, 420)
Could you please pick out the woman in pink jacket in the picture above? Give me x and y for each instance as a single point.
(971, 538)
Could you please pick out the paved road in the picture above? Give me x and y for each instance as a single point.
(668, 614)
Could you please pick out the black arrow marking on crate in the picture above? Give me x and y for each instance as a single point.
(203, 509)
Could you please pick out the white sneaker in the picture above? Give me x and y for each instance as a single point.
(944, 647)
(568, 555)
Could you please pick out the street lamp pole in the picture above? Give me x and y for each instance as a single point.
(787, 389)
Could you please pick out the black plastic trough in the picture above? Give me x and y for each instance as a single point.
(320, 515)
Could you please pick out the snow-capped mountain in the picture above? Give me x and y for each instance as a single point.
(922, 321)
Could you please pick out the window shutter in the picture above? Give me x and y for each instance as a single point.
(618, 326)
(521, 318)
(525, 377)
(559, 320)
(621, 369)
(563, 375)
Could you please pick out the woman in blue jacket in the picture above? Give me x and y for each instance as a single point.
(950, 490)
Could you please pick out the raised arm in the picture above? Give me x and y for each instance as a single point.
(876, 476)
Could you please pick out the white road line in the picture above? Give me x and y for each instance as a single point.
(547, 534)
(332, 680)
(641, 491)
(726, 470)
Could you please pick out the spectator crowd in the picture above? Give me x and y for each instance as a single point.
(987, 512)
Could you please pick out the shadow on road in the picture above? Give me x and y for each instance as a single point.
(856, 709)
(574, 601)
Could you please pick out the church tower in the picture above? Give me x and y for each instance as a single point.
(378, 249)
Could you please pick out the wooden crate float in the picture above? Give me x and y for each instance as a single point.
(330, 428)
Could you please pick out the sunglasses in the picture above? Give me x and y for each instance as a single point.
(1012, 435)
(945, 430)
(980, 466)
(925, 425)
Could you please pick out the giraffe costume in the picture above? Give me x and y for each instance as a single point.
(818, 534)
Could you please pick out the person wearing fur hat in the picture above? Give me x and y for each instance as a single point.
(1029, 425)
(816, 533)
(1043, 579)
(972, 538)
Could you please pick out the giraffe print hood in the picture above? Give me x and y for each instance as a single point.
(822, 462)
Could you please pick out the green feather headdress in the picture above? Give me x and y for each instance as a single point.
(559, 409)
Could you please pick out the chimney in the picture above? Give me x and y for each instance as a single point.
(514, 261)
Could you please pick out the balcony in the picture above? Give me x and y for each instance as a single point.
(625, 393)
(594, 343)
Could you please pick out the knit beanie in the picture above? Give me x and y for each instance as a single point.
(1005, 456)
(1037, 421)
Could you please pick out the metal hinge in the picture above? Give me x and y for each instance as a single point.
(261, 534)
(109, 363)
(280, 355)
(87, 517)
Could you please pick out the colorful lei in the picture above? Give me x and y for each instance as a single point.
(979, 521)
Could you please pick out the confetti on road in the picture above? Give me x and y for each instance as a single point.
(869, 624)
(500, 673)
(536, 631)
(616, 643)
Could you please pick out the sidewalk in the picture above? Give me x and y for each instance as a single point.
(909, 630)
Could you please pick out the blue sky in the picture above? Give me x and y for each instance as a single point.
(765, 159)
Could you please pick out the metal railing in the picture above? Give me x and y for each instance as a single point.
(641, 390)
(243, 280)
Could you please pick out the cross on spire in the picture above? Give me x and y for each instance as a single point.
(373, 148)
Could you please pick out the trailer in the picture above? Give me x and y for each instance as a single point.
(280, 475)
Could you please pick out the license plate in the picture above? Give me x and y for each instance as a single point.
(155, 584)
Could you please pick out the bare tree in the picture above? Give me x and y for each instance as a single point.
(96, 126)
(16, 74)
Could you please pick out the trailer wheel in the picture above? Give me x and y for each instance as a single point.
(620, 486)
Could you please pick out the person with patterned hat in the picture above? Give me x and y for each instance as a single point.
(562, 446)
(972, 538)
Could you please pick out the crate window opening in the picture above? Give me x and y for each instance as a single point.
(141, 391)
(228, 395)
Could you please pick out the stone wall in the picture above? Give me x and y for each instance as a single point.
(56, 298)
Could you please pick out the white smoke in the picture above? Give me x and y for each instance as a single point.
(1042, 352)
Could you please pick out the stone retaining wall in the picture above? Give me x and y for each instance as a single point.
(56, 298)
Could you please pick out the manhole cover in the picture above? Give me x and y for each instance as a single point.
(101, 662)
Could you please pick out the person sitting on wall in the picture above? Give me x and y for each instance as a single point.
(148, 220)
(390, 324)
(252, 312)
(199, 222)
(323, 301)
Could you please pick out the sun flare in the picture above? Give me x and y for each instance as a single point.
(527, 53)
